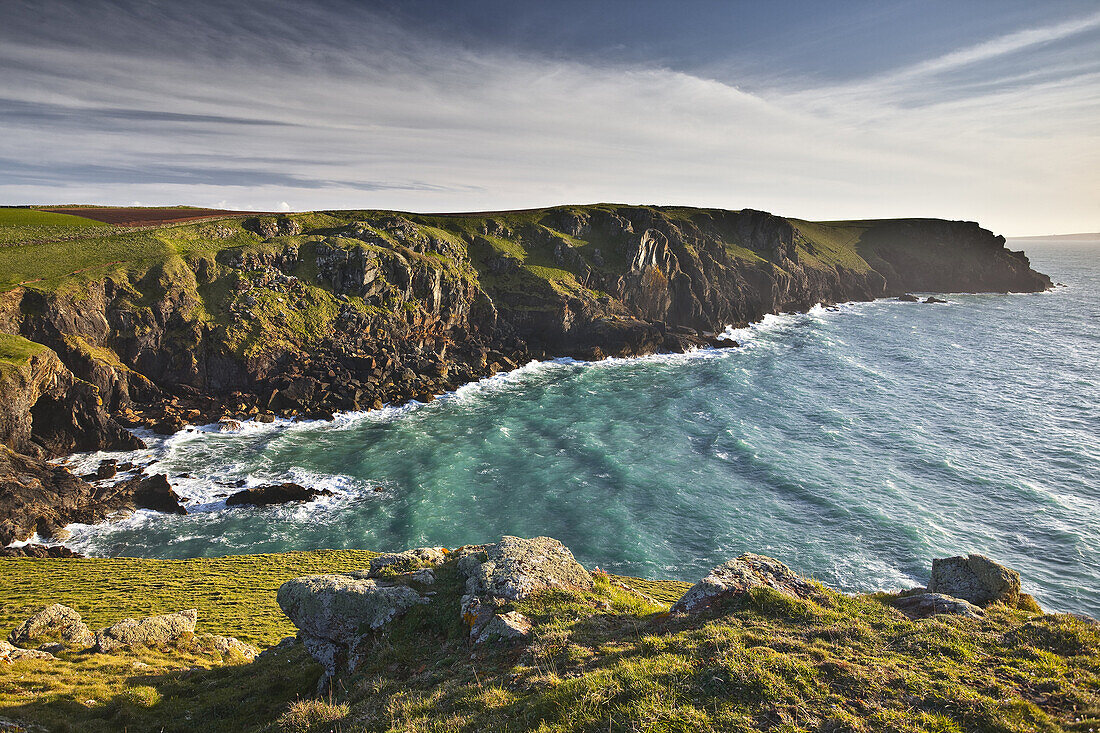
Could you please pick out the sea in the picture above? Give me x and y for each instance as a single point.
(855, 443)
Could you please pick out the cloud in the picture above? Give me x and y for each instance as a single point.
(380, 117)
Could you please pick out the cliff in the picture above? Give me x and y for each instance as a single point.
(305, 314)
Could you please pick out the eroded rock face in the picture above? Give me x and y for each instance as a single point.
(923, 605)
(976, 579)
(54, 624)
(334, 611)
(739, 576)
(151, 631)
(512, 570)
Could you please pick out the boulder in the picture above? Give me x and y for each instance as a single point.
(515, 568)
(334, 611)
(53, 624)
(408, 561)
(976, 579)
(739, 576)
(224, 645)
(909, 298)
(934, 299)
(512, 570)
(505, 627)
(274, 494)
(923, 605)
(9, 653)
(154, 492)
(150, 631)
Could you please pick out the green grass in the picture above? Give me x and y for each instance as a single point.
(15, 350)
(598, 660)
(19, 217)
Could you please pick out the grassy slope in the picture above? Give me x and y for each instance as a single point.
(598, 661)
(22, 225)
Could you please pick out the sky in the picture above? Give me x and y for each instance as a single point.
(982, 110)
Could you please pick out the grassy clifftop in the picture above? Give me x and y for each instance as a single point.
(598, 660)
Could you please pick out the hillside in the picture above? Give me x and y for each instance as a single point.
(607, 658)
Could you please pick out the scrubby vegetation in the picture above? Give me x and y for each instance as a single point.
(608, 659)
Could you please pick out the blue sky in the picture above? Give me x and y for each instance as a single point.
(978, 110)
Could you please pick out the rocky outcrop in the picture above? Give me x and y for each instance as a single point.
(228, 647)
(39, 497)
(38, 551)
(334, 612)
(54, 624)
(740, 576)
(155, 631)
(274, 494)
(975, 579)
(511, 570)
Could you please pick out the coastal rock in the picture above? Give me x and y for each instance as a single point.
(934, 299)
(151, 631)
(38, 551)
(909, 298)
(153, 492)
(923, 605)
(9, 653)
(274, 494)
(976, 579)
(334, 611)
(53, 624)
(739, 576)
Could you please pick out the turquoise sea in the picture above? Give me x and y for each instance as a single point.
(854, 444)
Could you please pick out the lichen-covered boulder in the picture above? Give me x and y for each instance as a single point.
(334, 611)
(54, 624)
(151, 631)
(10, 653)
(511, 570)
(976, 579)
(227, 646)
(515, 567)
(923, 605)
(505, 627)
(409, 561)
(739, 576)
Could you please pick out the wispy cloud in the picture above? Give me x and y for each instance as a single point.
(372, 115)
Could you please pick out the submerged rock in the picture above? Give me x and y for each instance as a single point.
(739, 576)
(923, 605)
(909, 298)
(150, 631)
(976, 579)
(54, 624)
(274, 494)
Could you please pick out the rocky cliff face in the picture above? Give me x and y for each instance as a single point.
(312, 313)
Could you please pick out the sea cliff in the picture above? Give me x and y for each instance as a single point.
(306, 314)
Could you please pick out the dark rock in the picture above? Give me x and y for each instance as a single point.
(909, 298)
(934, 299)
(39, 551)
(274, 494)
(107, 469)
(154, 492)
